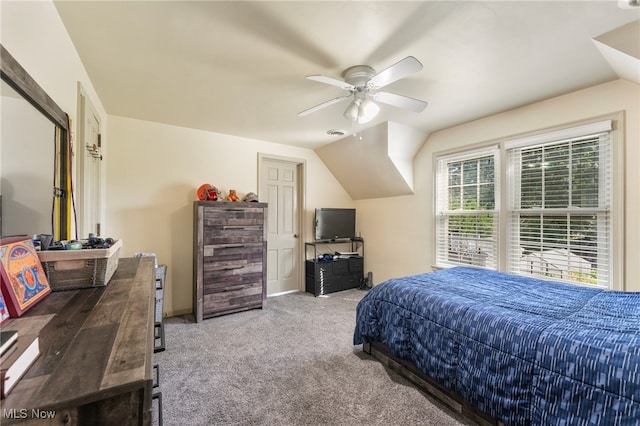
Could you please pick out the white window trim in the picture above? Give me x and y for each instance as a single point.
(612, 122)
(490, 150)
(559, 135)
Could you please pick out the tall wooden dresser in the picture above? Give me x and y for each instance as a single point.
(229, 257)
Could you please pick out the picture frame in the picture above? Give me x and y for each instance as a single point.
(23, 281)
(4, 311)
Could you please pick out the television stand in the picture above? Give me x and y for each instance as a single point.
(336, 273)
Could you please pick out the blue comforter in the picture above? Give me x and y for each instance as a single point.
(523, 350)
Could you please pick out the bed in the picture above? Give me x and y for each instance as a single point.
(517, 350)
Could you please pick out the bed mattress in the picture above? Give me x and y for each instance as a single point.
(523, 350)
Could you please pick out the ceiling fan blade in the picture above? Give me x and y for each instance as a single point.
(395, 72)
(322, 105)
(332, 81)
(400, 101)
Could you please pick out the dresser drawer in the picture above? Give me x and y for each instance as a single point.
(232, 216)
(234, 251)
(232, 234)
(248, 296)
(216, 278)
(340, 266)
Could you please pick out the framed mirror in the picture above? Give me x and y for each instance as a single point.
(35, 160)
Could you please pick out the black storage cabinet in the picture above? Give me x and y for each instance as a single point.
(323, 277)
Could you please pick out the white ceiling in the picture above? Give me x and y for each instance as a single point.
(239, 67)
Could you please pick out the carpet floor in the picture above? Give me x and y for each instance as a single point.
(293, 363)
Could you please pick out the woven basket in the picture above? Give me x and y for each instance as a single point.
(73, 269)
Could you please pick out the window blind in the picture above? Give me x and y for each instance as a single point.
(560, 209)
(466, 214)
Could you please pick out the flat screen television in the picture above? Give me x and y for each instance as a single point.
(335, 223)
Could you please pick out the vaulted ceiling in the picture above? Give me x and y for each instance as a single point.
(239, 67)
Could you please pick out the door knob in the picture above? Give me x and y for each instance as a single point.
(295, 235)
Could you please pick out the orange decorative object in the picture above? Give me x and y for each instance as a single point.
(207, 192)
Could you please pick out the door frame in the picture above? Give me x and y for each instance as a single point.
(301, 169)
(84, 106)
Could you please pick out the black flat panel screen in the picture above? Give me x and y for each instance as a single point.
(333, 223)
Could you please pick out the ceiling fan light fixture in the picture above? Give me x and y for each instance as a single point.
(363, 83)
(367, 111)
(352, 111)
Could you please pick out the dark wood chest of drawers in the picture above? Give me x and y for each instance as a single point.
(229, 258)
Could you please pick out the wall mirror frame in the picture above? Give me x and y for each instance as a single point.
(14, 75)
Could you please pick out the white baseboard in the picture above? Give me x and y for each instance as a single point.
(282, 293)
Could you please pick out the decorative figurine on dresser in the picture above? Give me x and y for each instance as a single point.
(229, 257)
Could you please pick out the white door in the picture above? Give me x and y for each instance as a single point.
(279, 188)
(89, 173)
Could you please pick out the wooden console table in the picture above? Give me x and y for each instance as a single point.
(96, 349)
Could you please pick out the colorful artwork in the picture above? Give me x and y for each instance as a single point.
(4, 312)
(24, 282)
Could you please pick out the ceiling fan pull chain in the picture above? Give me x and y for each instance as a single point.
(354, 129)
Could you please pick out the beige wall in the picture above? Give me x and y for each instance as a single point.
(399, 231)
(33, 33)
(153, 173)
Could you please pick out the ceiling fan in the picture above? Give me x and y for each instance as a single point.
(363, 83)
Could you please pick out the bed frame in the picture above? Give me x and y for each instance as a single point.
(426, 384)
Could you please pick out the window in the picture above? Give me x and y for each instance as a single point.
(560, 207)
(557, 216)
(466, 209)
